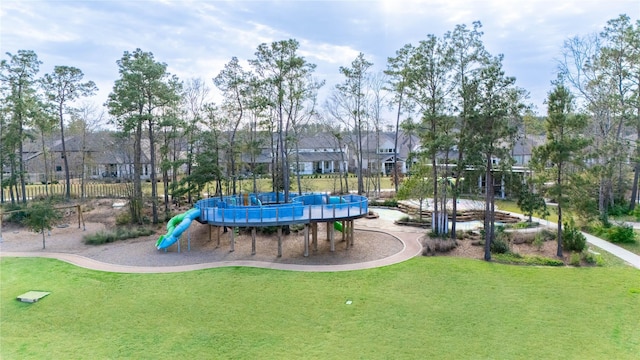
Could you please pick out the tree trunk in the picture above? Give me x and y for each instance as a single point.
(46, 166)
(395, 143)
(152, 175)
(82, 165)
(634, 189)
(359, 170)
(436, 215)
(559, 200)
(487, 211)
(136, 206)
(21, 165)
(298, 170)
(67, 176)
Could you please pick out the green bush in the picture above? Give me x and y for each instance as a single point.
(16, 217)
(549, 235)
(123, 218)
(592, 258)
(500, 245)
(103, 237)
(572, 238)
(599, 229)
(538, 241)
(523, 225)
(619, 209)
(385, 202)
(614, 233)
(575, 259)
(621, 234)
(518, 259)
(268, 230)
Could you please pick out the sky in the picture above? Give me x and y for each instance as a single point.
(197, 38)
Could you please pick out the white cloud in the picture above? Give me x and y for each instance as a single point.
(196, 38)
(329, 53)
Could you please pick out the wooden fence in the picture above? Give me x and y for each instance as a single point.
(91, 190)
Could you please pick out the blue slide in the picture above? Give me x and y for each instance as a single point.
(176, 226)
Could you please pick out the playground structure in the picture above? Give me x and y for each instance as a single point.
(266, 209)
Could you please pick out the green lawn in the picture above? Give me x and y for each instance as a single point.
(325, 182)
(511, 206)
(424, 308)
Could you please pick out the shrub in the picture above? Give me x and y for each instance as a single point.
(123, 218)
(499, 246)
(268, 230)
(523, 225)
(574, 259)
(621, 234)
(103, 237)
(572, 238)
(538, 241)
(16, 217)
(619, 209)
(432, 246)
(385, 202)
(592, 258)
(599, 229)
(549, 235)
(518, 259)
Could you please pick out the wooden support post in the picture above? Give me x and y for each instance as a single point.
(332, 236)
(189, 239)
(346, 231)
(352, 233)
(314, 227)
(306, 240)
(233, 239)
(84, 226)
(253, 240)
(279, 241)
(218, 229)
(209, 232)
(329, 229)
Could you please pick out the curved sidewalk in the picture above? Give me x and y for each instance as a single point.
(410, 240)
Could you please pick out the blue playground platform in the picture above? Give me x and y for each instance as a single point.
(266, 209)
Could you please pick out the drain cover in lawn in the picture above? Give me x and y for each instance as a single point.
(32, 296)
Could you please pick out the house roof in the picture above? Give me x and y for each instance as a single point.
(318, 141)
(318, 156)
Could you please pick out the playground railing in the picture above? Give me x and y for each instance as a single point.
(302, 209)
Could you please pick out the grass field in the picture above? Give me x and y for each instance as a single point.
(424, 308)
(512, 206)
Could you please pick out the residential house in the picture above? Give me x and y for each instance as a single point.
(379, 152)
(317, 154)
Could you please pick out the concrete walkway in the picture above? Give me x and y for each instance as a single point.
(409, 237)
